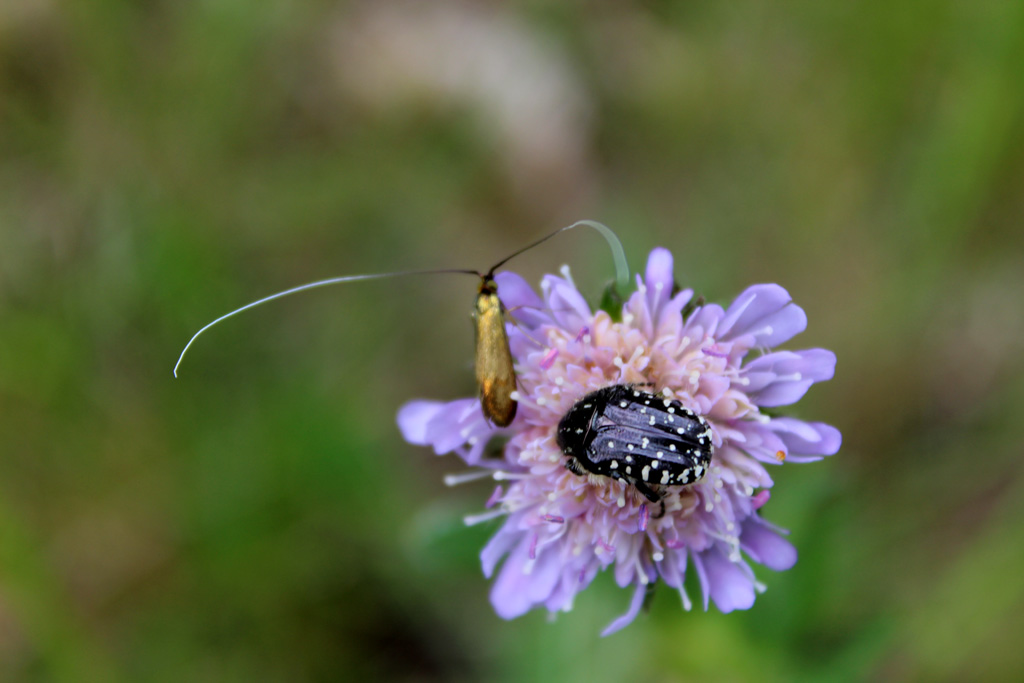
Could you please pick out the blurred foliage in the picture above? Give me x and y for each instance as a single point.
(261, 519)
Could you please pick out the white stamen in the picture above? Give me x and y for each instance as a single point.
(564, 270)
(472, 520)
(462, 478)
(509, 476)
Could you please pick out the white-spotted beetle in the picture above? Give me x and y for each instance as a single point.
(641, 438)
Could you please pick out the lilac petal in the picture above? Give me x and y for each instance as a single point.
(670, 317)
(569, 585)
(499, 546)
(761, 443)
(808, 438)
(658, 280)
(673, 568)
(522, 582)
(445, 426)
(730, 587)
(414, 417)
(634, 608)
(702, 577)
(767, 313)
(567, 305)
(783, 377)
(508, 593)
(704, 321)
(520, 300)
(545, 575)
(766, 546)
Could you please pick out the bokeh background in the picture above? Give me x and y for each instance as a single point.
(261, 519)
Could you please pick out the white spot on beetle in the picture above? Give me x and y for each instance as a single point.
(664, 477)
(614, 465)
(646, 471)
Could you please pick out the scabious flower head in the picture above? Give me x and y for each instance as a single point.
(560, 529)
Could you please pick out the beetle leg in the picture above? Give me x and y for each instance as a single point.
(574, 466)
(647, 491)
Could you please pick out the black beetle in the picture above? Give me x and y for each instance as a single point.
(640, 438)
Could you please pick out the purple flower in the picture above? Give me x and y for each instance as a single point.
(560, 529)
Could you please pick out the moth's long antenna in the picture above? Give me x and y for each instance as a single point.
(618, 254)
(307, 286)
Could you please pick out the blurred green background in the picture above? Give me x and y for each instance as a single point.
(260, 518)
